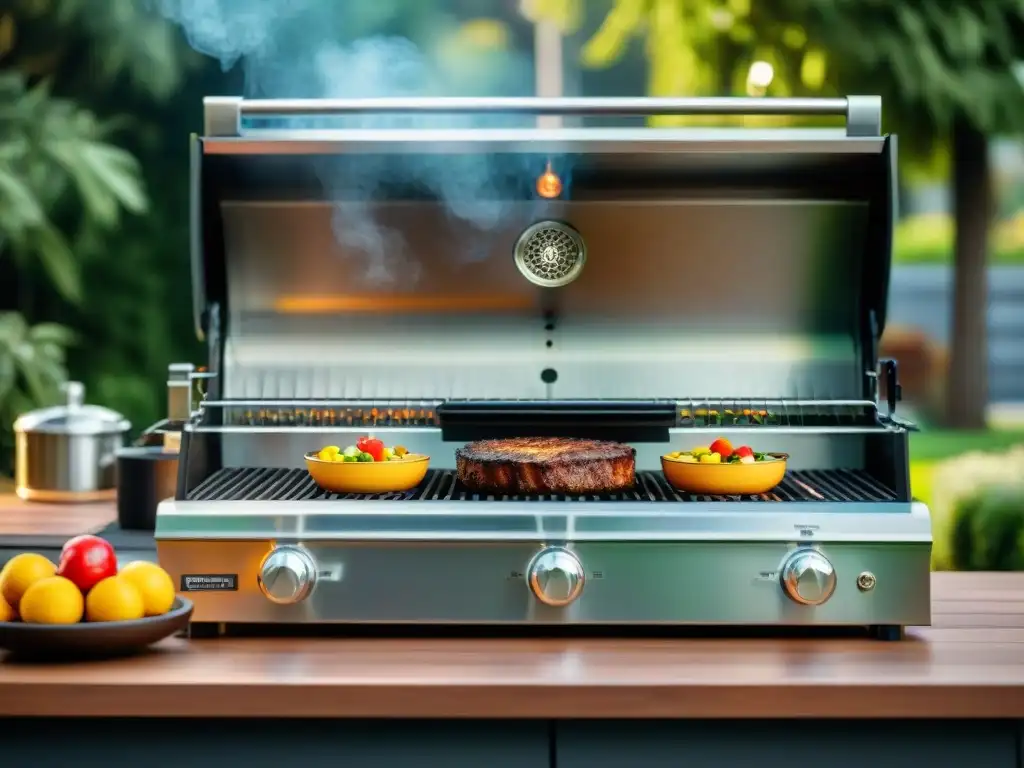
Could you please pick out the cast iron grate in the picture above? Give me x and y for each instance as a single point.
(837, 485)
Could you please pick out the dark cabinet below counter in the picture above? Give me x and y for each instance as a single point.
(785, 743)
(214, 743)
(280, 743)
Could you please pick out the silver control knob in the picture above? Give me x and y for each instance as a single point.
(808, 577)
(555, 576)
(287, 575)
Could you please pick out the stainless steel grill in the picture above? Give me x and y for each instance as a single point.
(687, 285)
(443, 485)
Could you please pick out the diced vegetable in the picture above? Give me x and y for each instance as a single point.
(372, 446)
(328, 453)
(722, 447)
(719, 452)
(367, 449)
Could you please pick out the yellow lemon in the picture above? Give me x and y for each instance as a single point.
(330, 453)
(53, 600)
(114, 599)
(154, 584)
(21, 572)
(6, 612)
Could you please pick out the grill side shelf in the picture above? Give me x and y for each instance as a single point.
(251, 484)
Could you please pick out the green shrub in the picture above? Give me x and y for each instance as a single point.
(987, 532)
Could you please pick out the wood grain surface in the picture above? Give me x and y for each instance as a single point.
(23, 518)
(969, 664)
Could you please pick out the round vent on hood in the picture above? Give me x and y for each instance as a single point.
(550, 254)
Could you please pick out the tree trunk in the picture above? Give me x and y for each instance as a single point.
(967, 391)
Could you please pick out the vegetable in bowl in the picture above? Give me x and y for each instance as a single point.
(720, 452)
(366, 450)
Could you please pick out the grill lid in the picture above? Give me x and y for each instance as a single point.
(741, 262)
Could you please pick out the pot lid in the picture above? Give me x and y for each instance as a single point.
(74, 417)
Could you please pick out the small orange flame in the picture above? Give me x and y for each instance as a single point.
(549, 186)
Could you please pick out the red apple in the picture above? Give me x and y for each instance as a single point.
(86, 561)
(722, 447)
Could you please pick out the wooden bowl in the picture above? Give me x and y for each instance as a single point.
(369, 477)
(725, 479)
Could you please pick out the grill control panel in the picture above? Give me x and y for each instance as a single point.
(556, 576)
(287, 575)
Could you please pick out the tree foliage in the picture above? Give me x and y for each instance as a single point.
(931, 60)
(49, 147)
(67, 177)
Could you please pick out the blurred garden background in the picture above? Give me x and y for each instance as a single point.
(98, 97)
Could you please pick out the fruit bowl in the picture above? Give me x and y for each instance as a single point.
(371, 477)
(103, 639)
(734, 479)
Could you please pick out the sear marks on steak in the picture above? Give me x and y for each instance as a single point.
(539, 465)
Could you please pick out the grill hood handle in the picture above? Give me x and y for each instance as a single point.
(624, 420)
(223, 115)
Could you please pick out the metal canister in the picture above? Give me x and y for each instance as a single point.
(68, 452)
(147, 472)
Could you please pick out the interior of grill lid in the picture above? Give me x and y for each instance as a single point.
(756, 269)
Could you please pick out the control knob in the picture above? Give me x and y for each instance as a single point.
(555, 576)
(287, 575)
(808, 577)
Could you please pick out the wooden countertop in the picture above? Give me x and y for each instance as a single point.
(970, 664)
(36, 520)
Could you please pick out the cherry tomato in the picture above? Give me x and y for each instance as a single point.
(372, 446)
(86, 561)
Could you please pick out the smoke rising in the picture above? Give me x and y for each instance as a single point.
(297, 49)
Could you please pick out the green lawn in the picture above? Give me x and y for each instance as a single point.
(935, 445)
(929, 447)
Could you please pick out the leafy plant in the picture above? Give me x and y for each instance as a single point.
(68, 174)
(31, 368)
(51, 152)
(48, 148)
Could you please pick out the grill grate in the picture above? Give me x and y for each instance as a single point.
(775, 413)
(442, 485)
(699, 413)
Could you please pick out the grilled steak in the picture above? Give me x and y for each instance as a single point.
(537, 465)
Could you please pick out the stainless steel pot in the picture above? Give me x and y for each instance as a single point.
(68, 452)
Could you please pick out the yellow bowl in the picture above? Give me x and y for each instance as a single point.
(725, 479)
(368, 477)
